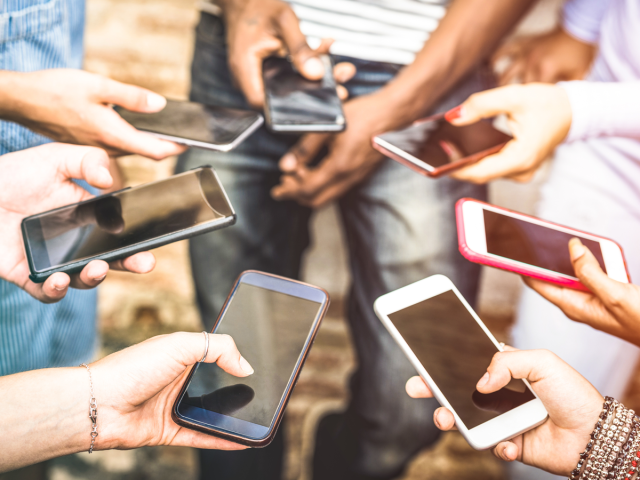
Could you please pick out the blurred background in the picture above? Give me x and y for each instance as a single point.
(149, 43)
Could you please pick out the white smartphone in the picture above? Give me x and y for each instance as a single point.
(530, 246)
(197, 125)
(451, 349)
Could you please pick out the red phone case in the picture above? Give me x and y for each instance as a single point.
(512, 266)
(445, 169)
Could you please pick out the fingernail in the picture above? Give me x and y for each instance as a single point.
(483, 380)
(435, 420)
(59, 287)
(504, 452)
(453, 114)
(101, 278)
(314, 68)
(244, 365)
(447, 148)
(288, 163)
(577, 249)
(104, 176)
(156, 102)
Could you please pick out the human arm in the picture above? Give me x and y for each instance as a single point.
(466, 36)
(572, 402)
(40, 179)
(44, 413)
(611, 306)
(73, 106)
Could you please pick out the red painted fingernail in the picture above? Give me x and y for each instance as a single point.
(447, 148)
(453, 114)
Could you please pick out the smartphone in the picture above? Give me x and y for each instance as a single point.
(451, 348)
(273, 321)
(434, 147)
(530, 246)
(197, 125)
(294, 104)
(119, 224)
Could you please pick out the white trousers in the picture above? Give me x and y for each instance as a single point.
(592, 186)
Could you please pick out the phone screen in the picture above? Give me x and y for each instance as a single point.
(270, 329)
(125, 218)
(294, 100)
(194, 121)
(437, 142)
(533, 244)
(456, 352)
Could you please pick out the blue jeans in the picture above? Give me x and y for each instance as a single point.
(400, 227)
(37, 35)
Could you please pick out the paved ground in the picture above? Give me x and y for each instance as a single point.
(149, 43)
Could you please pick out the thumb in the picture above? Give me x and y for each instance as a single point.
(486, 104)
(303, 152)
(590, 273)
(223, 351)
(84, 163)
(530, 365)
(131, 97)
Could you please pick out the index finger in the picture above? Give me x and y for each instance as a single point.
(487, 104)
(302, 55)
(416, 388)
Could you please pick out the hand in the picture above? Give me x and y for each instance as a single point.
(539, 117)
(137, 387)
(73, 106)
(257, 29)
(548, 58)
(40, 179)
(572, 402)
(612, 307)
(350, 160)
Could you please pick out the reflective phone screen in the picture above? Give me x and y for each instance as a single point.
(194, 121)
(270, 329)
(428, 141)
(125, 218)
(456, 352)
(533, 244)
(294, 100)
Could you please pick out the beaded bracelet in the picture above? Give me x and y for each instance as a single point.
(613, 451)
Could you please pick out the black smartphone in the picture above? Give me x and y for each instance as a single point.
(295, 104)
(119, 224)
(197, 125)
(273, 321)
(434, 147)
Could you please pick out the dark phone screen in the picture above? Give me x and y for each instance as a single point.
(533, 244)
(456, 352)
(270, 329)
(294, 100)
(424, 140)
(125, 218)
(194, 121)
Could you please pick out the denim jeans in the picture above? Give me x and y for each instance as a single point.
(400, 227)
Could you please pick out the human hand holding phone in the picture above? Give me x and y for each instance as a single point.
(39, 179)
(572, 402)
(610, 306)
(539, 118)
(73, 106)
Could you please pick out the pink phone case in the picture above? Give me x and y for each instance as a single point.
(445, 169)
(506, 264)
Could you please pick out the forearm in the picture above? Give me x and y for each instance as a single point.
(603, 109)
(14, 94)
(466, 36)
(43, 414)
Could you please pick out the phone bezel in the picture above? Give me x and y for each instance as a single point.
(485, 435)
(473, 232)
(421, 167)
(338, 126)
(282, 285)
(39, 276)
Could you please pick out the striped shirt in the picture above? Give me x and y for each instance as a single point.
(36, 35)
(392, 31)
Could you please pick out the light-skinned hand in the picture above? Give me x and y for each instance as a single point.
(539, 117)
(257, 29)
(612, 306)
(572, 402)
(40, 179)
(72, 106)
(553, 57)
(135, 390)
